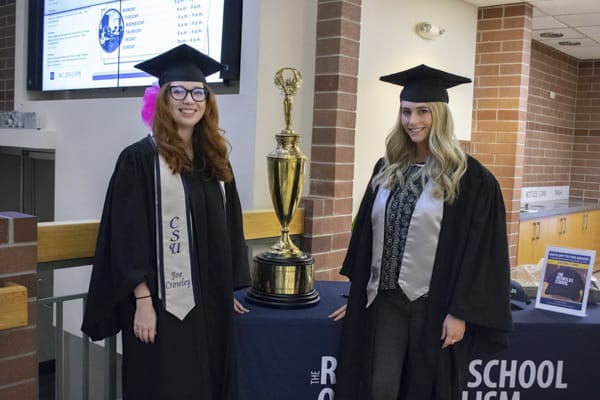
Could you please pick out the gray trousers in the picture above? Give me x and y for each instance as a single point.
(398, 323)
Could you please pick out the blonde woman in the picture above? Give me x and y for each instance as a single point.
(428, 258)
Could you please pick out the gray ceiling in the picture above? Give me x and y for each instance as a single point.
(577, 20)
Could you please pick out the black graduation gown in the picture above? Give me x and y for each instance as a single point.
(470, 280)
(193, 358)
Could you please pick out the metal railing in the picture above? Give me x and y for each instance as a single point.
(71, 244)
(56, 305)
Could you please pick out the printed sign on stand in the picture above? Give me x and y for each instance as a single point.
(565, 280)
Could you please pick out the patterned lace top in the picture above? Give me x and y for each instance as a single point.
(399, 209)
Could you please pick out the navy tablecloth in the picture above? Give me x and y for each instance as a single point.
(290, 354)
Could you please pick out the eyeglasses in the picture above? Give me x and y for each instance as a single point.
(199, 94)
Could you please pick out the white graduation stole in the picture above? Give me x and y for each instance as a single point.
(421, 244)
(176, 257)
(420, 247)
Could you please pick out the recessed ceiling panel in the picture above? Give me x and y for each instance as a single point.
(591, 31)
(584, 41)
(547, 23)
(562, 7)
(485, 3)
(577, 20)
(581, 53)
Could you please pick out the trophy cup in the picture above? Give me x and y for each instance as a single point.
(284, 275)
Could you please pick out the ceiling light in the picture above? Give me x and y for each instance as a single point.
(569, 43)
(428, 31)
(551, 34)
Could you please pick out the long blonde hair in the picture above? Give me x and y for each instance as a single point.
(446, 165)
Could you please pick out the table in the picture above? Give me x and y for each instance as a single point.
(291, 354)
(551, 356)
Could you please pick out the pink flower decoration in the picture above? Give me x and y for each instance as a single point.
(148, 103)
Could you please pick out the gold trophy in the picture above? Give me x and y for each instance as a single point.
(284, 275)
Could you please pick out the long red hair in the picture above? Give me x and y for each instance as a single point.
(211, 149)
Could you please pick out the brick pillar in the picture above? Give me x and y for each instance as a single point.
(585, 170)
(328, 207)
(7, 54)
(18, 264)
(500, 101)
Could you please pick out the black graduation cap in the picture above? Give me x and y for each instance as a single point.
(424, 84)
(519, 298)
(181, 63)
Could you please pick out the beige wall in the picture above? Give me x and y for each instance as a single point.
(275, 33)
(388, 44)
(287, 39)
(90, 133)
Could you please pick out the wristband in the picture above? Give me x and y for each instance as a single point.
(143, 297)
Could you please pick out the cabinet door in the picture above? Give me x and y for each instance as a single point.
(578, 231)
(593, 235)
(553, 232)
(569, 230)
(535, 235)
(526, 250)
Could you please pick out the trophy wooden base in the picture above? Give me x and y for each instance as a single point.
(282, 282)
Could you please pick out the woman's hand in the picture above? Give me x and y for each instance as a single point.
(453, 330)
(338, 314)
(238, 308)
(144, 320)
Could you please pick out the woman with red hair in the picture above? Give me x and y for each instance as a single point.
(170, 248)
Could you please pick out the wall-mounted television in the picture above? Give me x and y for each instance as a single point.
(92, 44)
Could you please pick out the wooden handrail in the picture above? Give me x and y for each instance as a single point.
(260, 224)
(77, 239)
(13, 299)
(66, 240)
